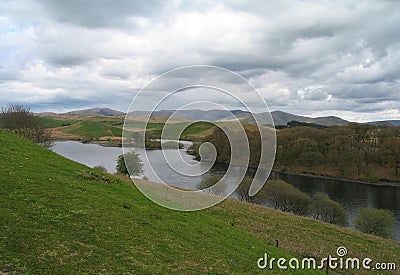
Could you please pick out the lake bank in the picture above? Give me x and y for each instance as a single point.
(378, 183)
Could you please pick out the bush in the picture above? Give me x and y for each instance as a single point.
(286, 197)
(135, 164)
(21, 121)
(100, 168)
(379, 222)
(327, 210)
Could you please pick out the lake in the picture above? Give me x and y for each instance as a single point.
(351, 195)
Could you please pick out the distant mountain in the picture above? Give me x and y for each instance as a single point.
(387, 122)
(46, 114)
(96, 111)
(207, 115)
(282, 118)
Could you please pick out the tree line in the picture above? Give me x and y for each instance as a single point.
(355, 151)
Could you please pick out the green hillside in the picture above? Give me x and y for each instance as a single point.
(93, 130)
(58, 216)
(193, 131)
(49, 122)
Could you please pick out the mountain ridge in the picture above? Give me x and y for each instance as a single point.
(279, 117)
(96, 111)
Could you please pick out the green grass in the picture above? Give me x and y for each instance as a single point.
(93, 130)
(49, 122)
(189, 131)
(96, 129)
(198, 127)
(143, 125)
(58, 216)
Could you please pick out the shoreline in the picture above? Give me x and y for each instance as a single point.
(377, 183)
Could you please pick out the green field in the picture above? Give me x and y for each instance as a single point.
(197, 127)
(49, 122)
(140, 125)
(190, 131)
(58, 216)
(93, 130)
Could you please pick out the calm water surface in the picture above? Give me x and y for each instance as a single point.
(351, 195)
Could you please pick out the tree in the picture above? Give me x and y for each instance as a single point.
(286, 197)
(21, 121)
(379, 222)
(300, 202)
(391, 153)
(129, 164)
(327, 210)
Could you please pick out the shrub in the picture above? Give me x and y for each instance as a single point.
(100, 168)
(21, 121)
(286, 197)
(327, 210)
(379, 222)
(94, 175)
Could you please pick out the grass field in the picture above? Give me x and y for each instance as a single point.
(191, 131)
(93, 130)
(58, 216)
(96, 126)
(140, 125)
(49, 122)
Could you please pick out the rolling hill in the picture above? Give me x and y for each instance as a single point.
(282, 118)
(96, 111)
(195, 114)
(387, 122)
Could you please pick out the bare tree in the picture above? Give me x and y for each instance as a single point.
(21, 121)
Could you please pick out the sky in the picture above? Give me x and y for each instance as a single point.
(311, 58)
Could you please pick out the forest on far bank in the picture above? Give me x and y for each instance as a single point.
(355, 151)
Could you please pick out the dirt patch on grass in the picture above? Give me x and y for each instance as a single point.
(59, 134)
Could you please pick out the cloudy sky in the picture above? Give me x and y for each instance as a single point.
(306, 57)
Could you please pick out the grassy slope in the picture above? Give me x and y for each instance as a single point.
(49, 122)
(94, 130)
(194, 131)
(59, 216)
(94, 127)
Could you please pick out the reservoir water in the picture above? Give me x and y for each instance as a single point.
(351, 195)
